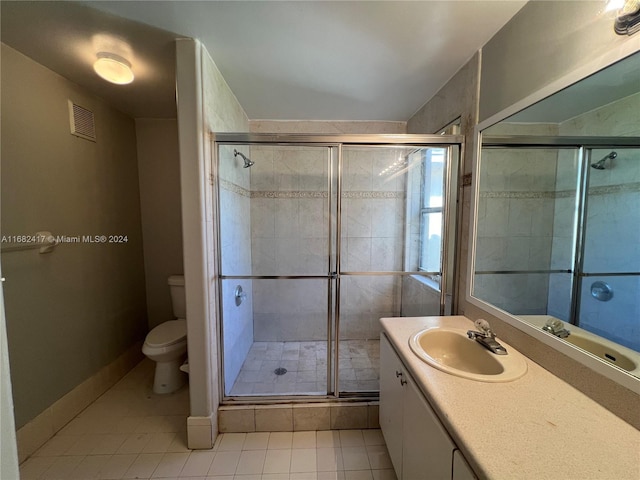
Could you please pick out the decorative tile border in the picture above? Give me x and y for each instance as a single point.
(232, 187)
(289, 194)
(602, 190)
(374, 194)
(522, 195)
(610, 189)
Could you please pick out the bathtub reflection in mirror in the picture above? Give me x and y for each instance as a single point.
(557, 242)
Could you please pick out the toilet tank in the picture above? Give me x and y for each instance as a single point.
(178, 300)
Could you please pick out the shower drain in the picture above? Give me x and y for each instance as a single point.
(280, 371)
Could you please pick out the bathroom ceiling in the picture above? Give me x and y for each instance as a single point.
(297, 60)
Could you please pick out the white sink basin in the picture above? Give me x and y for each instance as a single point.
(450, 350)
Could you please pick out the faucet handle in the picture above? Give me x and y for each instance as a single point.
(482, 325)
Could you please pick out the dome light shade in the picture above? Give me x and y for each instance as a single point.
(113, 68)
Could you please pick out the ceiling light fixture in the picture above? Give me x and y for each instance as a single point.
(113, 68)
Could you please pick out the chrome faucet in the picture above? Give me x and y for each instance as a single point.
(486, 337)
(556, 327)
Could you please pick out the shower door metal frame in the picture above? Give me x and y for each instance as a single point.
(333, 275)
(584, 147)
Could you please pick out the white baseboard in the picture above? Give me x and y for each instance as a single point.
(200, 433)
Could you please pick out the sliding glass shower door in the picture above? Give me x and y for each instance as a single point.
(277, 214)
(317, 241)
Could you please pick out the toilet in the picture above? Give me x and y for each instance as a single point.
(166, 344)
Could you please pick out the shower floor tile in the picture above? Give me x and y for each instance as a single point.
(306, 368)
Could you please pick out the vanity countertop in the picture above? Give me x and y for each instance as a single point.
(537, 427)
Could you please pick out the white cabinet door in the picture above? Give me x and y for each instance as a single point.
(391, 394)
(461, 469)
(427, 449)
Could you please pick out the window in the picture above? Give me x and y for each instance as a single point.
(431, 214)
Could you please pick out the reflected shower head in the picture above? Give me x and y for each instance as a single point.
(247, 162)
(599, 165)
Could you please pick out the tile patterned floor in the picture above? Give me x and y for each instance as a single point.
(306, 365)
(129, 432)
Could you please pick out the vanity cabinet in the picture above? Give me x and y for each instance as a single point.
(418, 444)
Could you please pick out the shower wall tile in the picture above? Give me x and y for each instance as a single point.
(518, 294)
(263, 252)
(290, 327)
(358, 254)
(381, 182)
(239, 331)
(287, 219)
(616, 319)
(262, 172)
(312, 221)
(387, 217)
(493, 215)
(263, 218)
(539, 253)
(386, 253)
(313, 256)
(287, 173)
(288, 254)
(619, 118)
(612, 241)
(355, 327)
(318, 127)
(559, 304)
(357, 170)
(419, 298)
(490, 253)
(358, 220)
(235, 244)
(362, 294)
(289, 213)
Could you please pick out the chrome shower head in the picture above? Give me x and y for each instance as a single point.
(599, 165)
(247, 162)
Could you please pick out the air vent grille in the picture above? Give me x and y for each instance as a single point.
(82, 122)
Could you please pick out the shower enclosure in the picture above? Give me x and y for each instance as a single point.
(319, 237)
(558, 231)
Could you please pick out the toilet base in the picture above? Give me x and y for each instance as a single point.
(168, 377)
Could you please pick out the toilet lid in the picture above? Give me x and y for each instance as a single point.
(167, 333)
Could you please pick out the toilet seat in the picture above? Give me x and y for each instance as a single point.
(167, 333)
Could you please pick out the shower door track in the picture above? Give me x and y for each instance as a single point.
(335, 142)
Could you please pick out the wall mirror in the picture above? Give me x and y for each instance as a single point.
(556, 240)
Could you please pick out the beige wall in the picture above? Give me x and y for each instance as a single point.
(159, 176)
(73, 311)
(543, 42)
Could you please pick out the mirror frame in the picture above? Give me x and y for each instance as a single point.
(585, 358)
